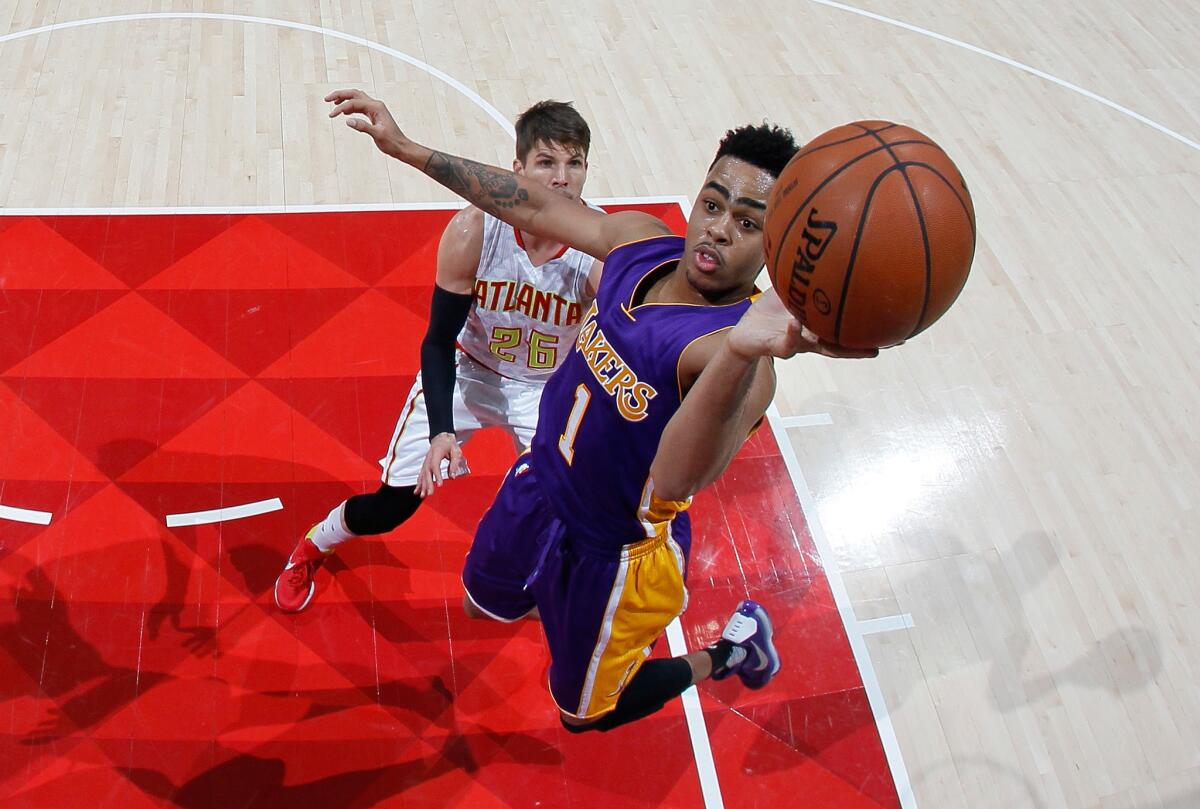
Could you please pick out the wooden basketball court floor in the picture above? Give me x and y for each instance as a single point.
(982, 544)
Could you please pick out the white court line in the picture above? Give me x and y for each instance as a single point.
(224, 514)
(449, 205)
(710, 788)
(473, 96)
(858, 646)
(1033, 71)
(888, 623)
(234, 209)
(25, 515)
(810, 420)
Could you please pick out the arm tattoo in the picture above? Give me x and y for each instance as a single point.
(488, 188)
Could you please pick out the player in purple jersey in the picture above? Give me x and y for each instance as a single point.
(670, 372)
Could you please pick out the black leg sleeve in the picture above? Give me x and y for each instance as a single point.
(381, 511)
(656, 683)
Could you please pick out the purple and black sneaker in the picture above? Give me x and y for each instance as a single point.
(750, 629)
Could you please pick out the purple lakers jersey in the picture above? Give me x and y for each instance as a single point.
(603, 411)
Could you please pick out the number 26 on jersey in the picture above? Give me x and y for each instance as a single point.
(540, 352)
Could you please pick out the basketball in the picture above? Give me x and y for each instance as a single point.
(869, 234)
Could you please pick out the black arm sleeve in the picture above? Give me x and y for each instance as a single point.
(447, 314)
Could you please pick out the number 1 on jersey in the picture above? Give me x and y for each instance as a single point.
(566, 441)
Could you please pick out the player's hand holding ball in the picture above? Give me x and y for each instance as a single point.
(869, 234)
(769, 329)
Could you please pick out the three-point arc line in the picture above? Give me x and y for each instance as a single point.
(25, 515)
(224, 514)
(33, 517)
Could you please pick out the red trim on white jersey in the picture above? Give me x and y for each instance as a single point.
(521, 243)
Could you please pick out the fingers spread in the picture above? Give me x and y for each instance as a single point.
(350, 106)
(342, 95)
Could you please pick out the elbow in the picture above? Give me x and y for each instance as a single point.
(434, 346)
(673, 487)
(680, 494)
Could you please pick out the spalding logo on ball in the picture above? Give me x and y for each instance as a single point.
(869, 234)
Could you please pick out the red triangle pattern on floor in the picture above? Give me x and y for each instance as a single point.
(158, 365)
(33, 255)
(131, 339)
(34, 317)
(136, 248)
(251, 327)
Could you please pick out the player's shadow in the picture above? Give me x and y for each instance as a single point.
(115, 458)
(66, 667)
(249, 780)
(420, 702)
(117, 685)
(1008, 786)
(258, 565)
(428, 700)
(1189, 801)
(197, 639)
(1124, 660)
(1011, 788)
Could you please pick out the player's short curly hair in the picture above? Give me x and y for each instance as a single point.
(767, 146)
(556, 122)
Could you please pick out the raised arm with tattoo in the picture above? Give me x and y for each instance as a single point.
(514, 199)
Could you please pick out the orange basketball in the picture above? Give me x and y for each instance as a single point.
(870, 233)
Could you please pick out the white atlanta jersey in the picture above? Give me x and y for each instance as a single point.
(525, 318)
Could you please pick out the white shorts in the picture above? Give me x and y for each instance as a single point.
(482, 398)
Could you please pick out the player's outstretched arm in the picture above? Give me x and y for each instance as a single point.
(730, 395)
(526, 205)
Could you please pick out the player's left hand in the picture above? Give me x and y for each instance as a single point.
(443, 447)
(769, 329)
(376, 120)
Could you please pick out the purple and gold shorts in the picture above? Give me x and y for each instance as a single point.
(601, 609)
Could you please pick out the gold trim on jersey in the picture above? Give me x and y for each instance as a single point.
(646, 239)
(679, 360)
(629, 310)
(655, 513)
(648, 592)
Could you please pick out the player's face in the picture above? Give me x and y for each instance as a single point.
(558, 167)
(724, 250)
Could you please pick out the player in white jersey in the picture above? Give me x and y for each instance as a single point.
(512, 302)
